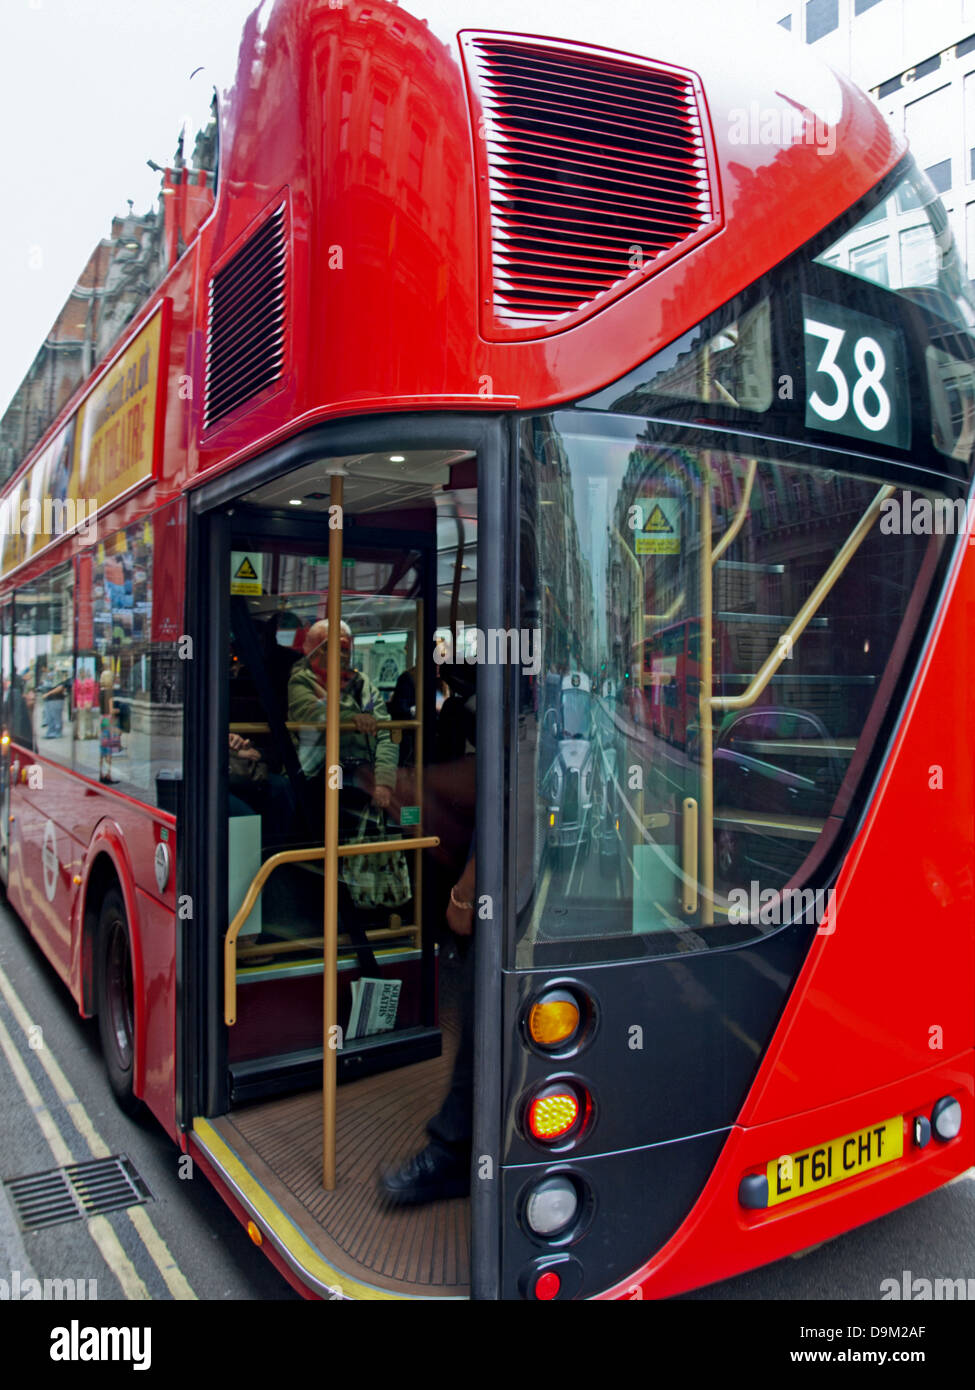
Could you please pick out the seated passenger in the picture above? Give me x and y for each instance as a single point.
(254, 790)
(283, 638)
(368, 755)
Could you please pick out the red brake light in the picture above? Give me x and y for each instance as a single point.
(553, 1113)
(547, 1285)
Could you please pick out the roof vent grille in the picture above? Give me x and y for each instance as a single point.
(598, 172)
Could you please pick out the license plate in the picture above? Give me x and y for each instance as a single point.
(796, 1175)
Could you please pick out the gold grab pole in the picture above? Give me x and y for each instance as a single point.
(418, 693)
(671, 613)
(706, 823)
(706, 741)
(347, 725)
(689, 854)
(638, 618)
(638, 614)
(331, 928)
(808, 610)
(739, 521)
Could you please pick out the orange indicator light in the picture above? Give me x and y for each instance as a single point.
(553, 1020)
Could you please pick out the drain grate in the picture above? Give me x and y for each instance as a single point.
(76, 1192)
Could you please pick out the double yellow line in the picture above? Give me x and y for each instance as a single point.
(99, 1227)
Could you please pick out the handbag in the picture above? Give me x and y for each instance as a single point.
(247, 769)
(375, 880)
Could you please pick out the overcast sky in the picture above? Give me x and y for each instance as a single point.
(89, 90)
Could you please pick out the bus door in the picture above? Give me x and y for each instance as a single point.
(6, 676)
(334, 791)
(279, 774)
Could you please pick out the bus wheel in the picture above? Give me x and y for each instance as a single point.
(116, 1000)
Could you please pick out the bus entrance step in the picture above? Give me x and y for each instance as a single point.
(301, 1071)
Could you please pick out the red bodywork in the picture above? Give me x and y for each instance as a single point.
(383, 295)
(888, 994)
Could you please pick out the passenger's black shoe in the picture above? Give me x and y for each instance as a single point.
(429, 1176)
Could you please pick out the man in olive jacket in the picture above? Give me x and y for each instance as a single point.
(369, 756)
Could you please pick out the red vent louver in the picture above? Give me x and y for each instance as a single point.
(597, 171)
(245, 329)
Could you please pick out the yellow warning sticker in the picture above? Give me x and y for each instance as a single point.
(246, 571)
(659, 530)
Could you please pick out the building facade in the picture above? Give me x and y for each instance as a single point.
(120, 274)
(916, 58)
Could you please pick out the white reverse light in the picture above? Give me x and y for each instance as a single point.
(552, 1206)
(946, 1118)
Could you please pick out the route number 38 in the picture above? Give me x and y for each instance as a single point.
(871, 403)
(856, 374)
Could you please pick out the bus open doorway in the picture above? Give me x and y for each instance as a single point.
(337, 1052)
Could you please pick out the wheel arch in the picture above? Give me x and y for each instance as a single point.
(107, 866)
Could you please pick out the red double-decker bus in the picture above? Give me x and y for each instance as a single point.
(517, 330)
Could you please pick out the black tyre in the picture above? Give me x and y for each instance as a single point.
(116, 1000)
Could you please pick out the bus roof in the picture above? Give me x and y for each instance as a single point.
(385, 200)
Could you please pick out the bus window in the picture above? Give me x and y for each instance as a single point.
(754, 682)
(42, 659)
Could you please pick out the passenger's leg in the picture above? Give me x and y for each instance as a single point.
(442, 1169)
(452, 1126)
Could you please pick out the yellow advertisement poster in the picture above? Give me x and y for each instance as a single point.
(117, 423)
(13, 538)
(104, 450)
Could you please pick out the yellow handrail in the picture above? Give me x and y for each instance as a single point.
(306, 943)
(808, 610)
(739, 520)
(346, 725)
(293, 856)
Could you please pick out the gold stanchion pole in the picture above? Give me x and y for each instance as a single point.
(332, 761)
(419, 685)
(706, 715)
(706, 819)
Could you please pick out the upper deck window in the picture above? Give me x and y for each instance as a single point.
(802, 349)
(910, 246)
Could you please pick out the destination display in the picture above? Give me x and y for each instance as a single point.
(856, 374)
